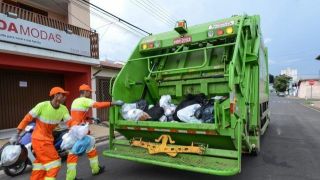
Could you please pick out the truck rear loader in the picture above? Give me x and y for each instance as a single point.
(224, 58)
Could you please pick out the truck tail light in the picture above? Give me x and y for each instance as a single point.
(144, 46)
(150, 45)
(220, 32)
(229, 30)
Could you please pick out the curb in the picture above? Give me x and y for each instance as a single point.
(311, 107)
(105, 138)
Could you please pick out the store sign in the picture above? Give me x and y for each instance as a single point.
(31, 34)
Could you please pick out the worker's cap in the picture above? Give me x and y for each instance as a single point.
(56, 90)
(85, 87)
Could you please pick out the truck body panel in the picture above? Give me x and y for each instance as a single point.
(225, 58)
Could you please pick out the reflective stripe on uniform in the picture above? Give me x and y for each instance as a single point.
(49, 178)
(33, 114)
(71, 166)
(48, 121)
(80, 109)
(37, 167)
(67, 119)
(52, 164)
(93, 160)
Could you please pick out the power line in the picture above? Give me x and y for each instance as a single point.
(160, 13)
(142, 6)
(162, 10)
(116, 17)
(131, 30)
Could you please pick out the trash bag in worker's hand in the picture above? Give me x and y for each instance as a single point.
(10, 154)
(187, 114)
(80, 131)
(81, 145)
(68, 140)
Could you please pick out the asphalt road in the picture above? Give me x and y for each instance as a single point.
(290, 151)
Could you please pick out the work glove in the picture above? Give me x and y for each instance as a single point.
(14, 139)
(117, 103)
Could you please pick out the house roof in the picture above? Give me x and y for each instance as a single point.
(111, 64)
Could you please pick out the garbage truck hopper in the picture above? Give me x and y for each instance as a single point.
(224, 62)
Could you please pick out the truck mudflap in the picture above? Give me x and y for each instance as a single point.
(204, 160)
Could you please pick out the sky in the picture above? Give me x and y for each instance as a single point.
(291, 28)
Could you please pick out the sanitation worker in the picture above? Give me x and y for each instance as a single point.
(79, 110)
(47, 115)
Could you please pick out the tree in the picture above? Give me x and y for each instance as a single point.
(281, 83)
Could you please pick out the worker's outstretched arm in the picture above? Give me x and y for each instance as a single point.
(101, 104)
(25, 121)
(107, 104)
(35, 112)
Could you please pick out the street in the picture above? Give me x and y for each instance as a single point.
(290, 150)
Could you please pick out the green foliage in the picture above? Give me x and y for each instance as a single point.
(281, 83)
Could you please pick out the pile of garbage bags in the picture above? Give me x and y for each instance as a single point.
(77, 139)
(193, 109)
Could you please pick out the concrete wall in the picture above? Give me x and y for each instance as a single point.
(82, 13)
(51, 13)
(305, 90)
(104, 73)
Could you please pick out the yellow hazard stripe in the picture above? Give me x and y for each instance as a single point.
(37, 167)
(52, 164)
(49, 178)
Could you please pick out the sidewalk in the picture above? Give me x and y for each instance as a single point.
(100, 132)
(316, 104)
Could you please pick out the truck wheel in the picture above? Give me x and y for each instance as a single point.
(17, 170)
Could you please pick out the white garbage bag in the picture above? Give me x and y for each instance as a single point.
(126, 108)
(75, 133)
(10, 155)
(134, 114)
(165, 103)
(169, 110)
(165, 100)
(163, 119)
(68, 140)
(187, 114)
(79, 131)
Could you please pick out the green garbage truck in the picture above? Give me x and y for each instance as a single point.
(225, 60)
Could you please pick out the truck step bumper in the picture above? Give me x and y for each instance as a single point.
(190, 162)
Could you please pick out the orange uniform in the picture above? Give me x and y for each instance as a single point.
(79, 110)
(47, 163)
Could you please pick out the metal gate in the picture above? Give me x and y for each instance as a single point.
(102, 93)
(22, 90)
